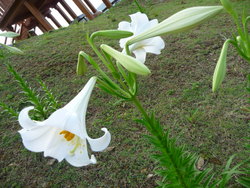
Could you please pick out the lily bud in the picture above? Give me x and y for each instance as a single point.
(181, 21)
(81, 68)
(130, 63)
(220, 69)
(114, 34)
(239, 40)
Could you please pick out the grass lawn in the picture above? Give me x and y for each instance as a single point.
(212, 125)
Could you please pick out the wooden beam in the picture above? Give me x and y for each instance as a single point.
(41, 28)
(68, 9)
(3, 4)
(8, 18)
(107, 3)
(63, 14)
(54, 20)
(38, 15)
(91, 6)
(84, 9)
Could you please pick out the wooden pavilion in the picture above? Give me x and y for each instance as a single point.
(29, 14)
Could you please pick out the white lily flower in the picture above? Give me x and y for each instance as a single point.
(139, 24)
(63, 135)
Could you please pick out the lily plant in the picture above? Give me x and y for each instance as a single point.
(63, 135)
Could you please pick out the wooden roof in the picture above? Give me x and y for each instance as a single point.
(14, 11)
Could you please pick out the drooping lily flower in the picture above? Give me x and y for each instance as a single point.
(139, 24)
(63, 135)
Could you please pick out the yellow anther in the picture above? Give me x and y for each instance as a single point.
(67, 135)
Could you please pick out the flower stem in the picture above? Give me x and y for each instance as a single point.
(141, 109)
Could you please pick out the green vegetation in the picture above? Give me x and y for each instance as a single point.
(179, 89)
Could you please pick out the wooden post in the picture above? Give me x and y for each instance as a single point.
(97, 13)
(68, 9)
(54, 20)
(5, 40)
(84, 9)
(90, 5)
(38, 15)
(63, 14)
(8, 18)
(41, 28)
(107, 3)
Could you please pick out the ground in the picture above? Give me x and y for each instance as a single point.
(213, 125)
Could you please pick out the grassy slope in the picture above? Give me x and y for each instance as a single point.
(178, 90)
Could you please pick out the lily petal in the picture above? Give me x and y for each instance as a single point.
(74, 112)
(140, 54)
(80, 102)
(38, 138)
(152, 43)
(139, 22)
(80, 157)
(101, 143)
(125, 26)
(65, 119)
(59, 148)
(25, 120)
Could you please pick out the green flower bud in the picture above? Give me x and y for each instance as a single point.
(130, 63)
(181, 21)
(220, 69)
(81, 68)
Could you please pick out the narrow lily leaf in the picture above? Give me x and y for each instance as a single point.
(81, 68)
(130, 63)
(9, 34)
(229, 8)
(220, 69)
(181, 21)
(13, 50)
(114, 34)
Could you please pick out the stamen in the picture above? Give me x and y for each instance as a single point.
(78, 143)
(67, 135)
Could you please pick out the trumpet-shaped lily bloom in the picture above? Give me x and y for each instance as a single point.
(139, 24)
(63, 135)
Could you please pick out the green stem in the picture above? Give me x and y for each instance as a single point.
(98, 53)
(141, 109)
